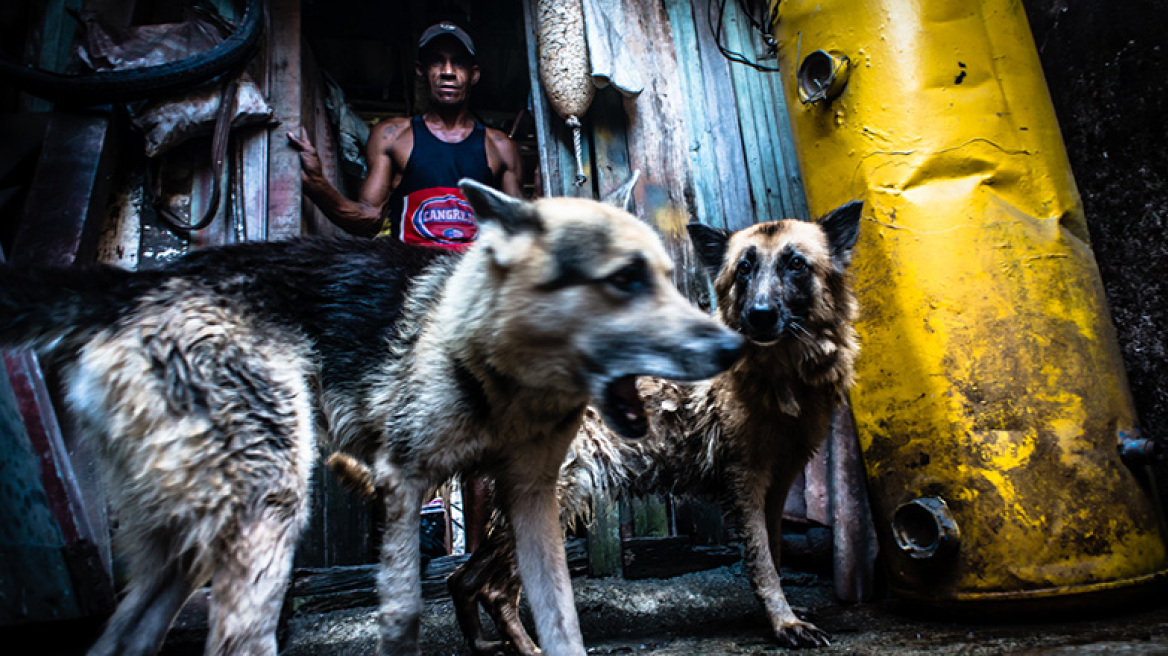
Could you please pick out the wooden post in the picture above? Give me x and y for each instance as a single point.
(285, 93)
(66, 204)
(727, 158)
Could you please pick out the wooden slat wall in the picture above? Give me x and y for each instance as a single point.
(713, 141)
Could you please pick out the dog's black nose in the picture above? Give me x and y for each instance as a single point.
(762, 318)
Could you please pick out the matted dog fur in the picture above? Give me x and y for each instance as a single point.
(742, 436)
(204, 386)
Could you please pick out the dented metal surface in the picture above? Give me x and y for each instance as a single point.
(990, 375)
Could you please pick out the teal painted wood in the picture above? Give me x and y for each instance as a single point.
(35, 584)
(708, 206)
(760, 95)
(609, 140)
(729, 160)
(795, 201)
(753, 116)
(604, 543)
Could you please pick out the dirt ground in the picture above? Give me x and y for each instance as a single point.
(715, 612)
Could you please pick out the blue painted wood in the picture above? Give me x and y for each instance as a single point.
(35, 584)
(708, 206)
(729, 161)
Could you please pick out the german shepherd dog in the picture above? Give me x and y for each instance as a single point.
(204, 386)
(742, 436)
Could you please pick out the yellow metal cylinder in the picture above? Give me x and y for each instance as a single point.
(990, 394)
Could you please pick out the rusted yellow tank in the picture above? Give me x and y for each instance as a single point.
(991, 396)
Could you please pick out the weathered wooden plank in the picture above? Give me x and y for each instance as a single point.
(545, 138)
(250, 197)
(341, 526)
(333, 588)
(217, 232)
(755, 109)
(706, 182)
(647, 517)
(66, 204)
(604, 540)
(35, 585)
(285, 199)
(664, 557)
(791, 180)
(658, 134)
(323, 136)
(748, 122)
(737, 210)
(610, 141)
(70, 488)
(121, 233)
(699, 518)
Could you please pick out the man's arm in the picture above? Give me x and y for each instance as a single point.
(364, 215)
(510, 175)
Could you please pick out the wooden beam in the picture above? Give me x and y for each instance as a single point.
(707, 181)
(77, 503)
(333, 588)
(729, 159)
(664, 557)
(67, 201)
(285, 94)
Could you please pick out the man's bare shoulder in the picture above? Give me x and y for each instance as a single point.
(390, 128)
(501, 141)
(497, 135)
(392, 135)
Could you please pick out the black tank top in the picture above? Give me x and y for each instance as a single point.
(427, 207)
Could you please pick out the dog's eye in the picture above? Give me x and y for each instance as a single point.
(797, 263)
(629, 279)
(744, 268)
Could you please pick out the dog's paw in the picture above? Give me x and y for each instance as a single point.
(799, 634)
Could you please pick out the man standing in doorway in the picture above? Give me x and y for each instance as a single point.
(410, 191)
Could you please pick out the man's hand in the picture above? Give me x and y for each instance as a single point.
(310, 167)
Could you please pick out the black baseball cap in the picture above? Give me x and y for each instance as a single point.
(446, 28)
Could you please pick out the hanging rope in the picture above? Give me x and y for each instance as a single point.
(578, 146)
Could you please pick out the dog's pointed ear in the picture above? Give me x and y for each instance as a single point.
(496, 212)
(710, 245)
(490, 205)
(842, 227)
(622, 196)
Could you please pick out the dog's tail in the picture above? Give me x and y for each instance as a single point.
(355, 475)
(40, 307)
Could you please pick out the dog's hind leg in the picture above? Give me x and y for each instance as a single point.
(534, 515)
(399, 581)
(248, 588)
(501, 598)
(467, 586)
(760, 500)
(489, 577)
(138, 627)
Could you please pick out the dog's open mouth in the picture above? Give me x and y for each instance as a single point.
(623, 410)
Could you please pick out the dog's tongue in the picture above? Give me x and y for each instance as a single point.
(624, 409)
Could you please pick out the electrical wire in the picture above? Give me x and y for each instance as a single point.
(731, 55)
